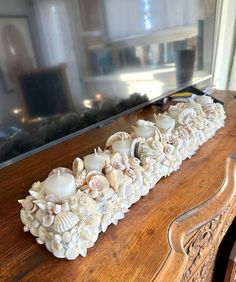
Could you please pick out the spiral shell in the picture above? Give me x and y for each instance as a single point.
(65, 221)
(117, 136)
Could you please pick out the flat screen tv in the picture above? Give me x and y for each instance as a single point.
(69, 66)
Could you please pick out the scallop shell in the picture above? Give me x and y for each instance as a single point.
(65, 221)
(77, 166)
(117, 136)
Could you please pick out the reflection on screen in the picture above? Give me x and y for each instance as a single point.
(66, 65)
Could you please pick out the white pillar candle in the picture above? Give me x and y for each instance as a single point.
(95, 161)
(204, 100)
(144, 131)
(165, 123)
(60, 185)
(122, 146)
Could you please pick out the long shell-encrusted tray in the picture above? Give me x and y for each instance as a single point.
(69, 227)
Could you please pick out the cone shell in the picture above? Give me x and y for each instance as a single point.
(116, 137)
(65, 221)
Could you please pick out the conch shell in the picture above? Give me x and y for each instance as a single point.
(114, 177)
(65, 221)
(121, 135)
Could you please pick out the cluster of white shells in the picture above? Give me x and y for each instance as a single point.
(69, 228)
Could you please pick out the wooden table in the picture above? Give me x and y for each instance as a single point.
(145, 245)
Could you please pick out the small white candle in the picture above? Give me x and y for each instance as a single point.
(122, 146)
(61, 185)
(165, 123)
(144, 131)
(95, 161)
(204, 100)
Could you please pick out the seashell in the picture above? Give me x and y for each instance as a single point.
(59, 253)
(28, 204)
(34, 231)
(72, 253)
(134, 162)
(39, 241)
(26, 229)
(99, 183)
(117, 161)
(61, 170)
(65, 221)
(37, 186)
(164, 122)
(130, 172)
(188, 112)
(36, 195)
(48, 218)
(117, 136)
(77, 166)
(66, 237)
(91, 174)
(57, 209)
(65, 207)
(50, 205)
(81, 179)
(114, 177)
(35, 224)
(42, 204)
(39, 215)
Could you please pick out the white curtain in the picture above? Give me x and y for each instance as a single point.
(53, 22)
(232, 81)
(132, 17)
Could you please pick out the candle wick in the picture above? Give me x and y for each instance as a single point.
(95, 151)
(58, 173)
(122, 139)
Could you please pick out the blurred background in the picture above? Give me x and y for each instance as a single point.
(66, 65)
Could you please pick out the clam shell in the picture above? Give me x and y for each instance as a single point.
(98, 182)
(72, 253)
(91, 174)
(65, 221)
(77, 166)
(116, 137)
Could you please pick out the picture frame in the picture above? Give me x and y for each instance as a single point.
(17, 52)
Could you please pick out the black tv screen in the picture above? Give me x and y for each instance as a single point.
(66, 66)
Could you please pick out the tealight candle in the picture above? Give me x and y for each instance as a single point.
(122, 146)
(145, 131)
(164, 123)
(204, 100)
(95, 161)
(60, 185)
